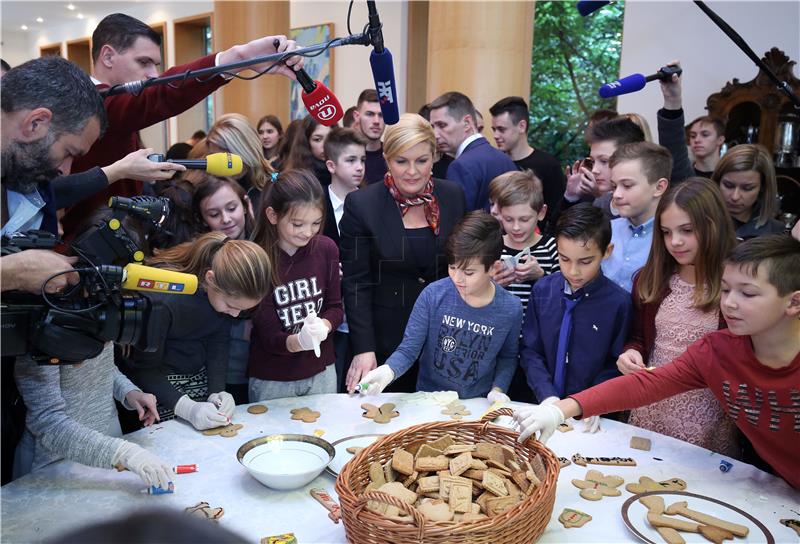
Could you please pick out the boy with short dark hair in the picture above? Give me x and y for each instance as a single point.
(640, 174)
(752, 367)
(577, 319)
(705, 136)
(463, 329)
(345, 151)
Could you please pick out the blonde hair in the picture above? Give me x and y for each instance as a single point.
(410, 130)
(640, 122)
(702, 201)
(514, 188)
(746, 157)
(241, 268)
(233, 132)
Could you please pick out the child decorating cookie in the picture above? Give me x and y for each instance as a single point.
(676, 302)
(187, 372)
(577, 319)
(291, 348)
(752, 367)
(464, 329)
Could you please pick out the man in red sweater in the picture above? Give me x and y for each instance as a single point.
(753, 367)
(125, 49)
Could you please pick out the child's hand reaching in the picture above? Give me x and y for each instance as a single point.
(580, 182)
(501, 274)
(629, 362)
(528, 269)
(145, 406)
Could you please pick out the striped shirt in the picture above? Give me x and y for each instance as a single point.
(546, 253)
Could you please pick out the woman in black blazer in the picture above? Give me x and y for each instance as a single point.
(392, 245)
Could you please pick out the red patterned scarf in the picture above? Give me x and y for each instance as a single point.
(425, 198)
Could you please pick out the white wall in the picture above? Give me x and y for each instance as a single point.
(352, 72)
(657, 32)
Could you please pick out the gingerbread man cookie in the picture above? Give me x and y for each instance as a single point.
(648, 484)
(305, 414)
(380, 414)
(596, 485)
(456, 410)
(257, 409)
(570, 518)
(792, 524)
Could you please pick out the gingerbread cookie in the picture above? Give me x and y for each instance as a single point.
(380, 414)
(792, 524)
(305, 414)
(580, 460)
(257, 409)
(595, 485)
(563, 462)
(639, 443)
(354, 449)
(456, 410)
(565, 428)
(226, 430)
(204, 511)
(648, 484)
(570, 518)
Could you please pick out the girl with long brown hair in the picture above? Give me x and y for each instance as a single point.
(187, 372)
(676, 301)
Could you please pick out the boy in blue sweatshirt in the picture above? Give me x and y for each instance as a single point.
(577, 319)
(464, 329)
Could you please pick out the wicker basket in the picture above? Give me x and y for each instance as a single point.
(523, 523)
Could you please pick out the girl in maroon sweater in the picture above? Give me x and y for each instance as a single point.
(291, 353)
(676, 300)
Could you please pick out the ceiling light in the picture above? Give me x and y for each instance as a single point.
(80, 16)
(71, 7)
(39, 20)
(24, 27)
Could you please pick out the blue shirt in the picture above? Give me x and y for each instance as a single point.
(24, 211)
(464, 349)
(600, 325)
(631, 248)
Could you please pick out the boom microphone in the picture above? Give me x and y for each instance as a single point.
(587, 7)
(320, 101)
(216, 164)
(636, 82)
(137, 277)
(382, 68)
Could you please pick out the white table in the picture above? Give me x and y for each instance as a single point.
(65, 495)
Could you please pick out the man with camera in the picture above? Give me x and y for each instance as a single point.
(52, 113)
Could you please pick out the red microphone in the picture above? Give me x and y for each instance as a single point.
(320, 102)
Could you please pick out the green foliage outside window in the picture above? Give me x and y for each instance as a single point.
(572, 57)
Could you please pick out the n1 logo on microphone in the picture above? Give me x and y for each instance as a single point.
(385, 92)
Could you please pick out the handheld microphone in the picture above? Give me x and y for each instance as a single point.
(636, 82)
(137, 277)
(587, 7)
(382, 68)
(320, 101)
(216, 164)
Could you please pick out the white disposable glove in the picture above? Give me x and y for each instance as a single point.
(313, 333)
(224, 401)
(543, 418)
(151, 469)
(548, 401)
(202, 415)
(377, 380)
(591, 424)
(495, 395)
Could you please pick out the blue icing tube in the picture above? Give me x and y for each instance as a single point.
(156, 490)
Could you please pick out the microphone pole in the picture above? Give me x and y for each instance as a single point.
(135, 87)
(738, 40)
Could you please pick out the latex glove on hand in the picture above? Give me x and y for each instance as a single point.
(202, 415)
(544, 419)
(548, 401)
(591, 424)
(151, 469)
(313, 333)
(497, 396)
(377, 380)
(224, 402)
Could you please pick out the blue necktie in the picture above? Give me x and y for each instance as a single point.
(560, 378)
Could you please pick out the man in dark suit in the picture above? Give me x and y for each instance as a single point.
(477, 163)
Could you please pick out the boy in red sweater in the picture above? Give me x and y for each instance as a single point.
(753, 367)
